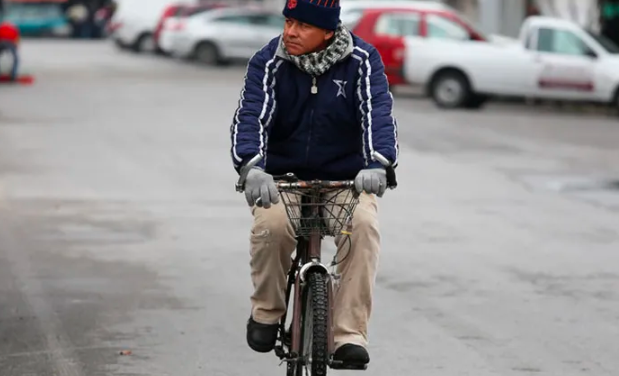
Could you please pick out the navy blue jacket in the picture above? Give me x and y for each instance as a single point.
(328, 135)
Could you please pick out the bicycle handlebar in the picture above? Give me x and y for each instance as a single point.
(313, 184)
(290, 181)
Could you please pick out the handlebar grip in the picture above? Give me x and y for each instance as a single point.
(392, 183)
(391, 178)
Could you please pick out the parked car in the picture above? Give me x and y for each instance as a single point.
(44, 18)
(170, 11)
(173, 21)
(134, 23)
(554, 59)
(385, 24)
(220, 35)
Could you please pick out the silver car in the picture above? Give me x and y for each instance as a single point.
(220, 35)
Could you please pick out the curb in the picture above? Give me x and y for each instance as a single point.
(574, 107)
(531, 104)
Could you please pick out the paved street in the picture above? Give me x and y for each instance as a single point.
(120, 230)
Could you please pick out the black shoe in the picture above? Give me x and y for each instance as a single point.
(352, 354)
(261, 337)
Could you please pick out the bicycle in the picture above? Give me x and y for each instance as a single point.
(309, 339)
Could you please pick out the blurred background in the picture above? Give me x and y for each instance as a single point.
(90, 18)
(124, 247)
(408, 34)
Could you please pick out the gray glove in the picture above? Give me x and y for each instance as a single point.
(373, 180)
(260, 189)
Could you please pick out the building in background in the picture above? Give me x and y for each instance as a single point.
(502, 17)
(505, 16)
(583, 12)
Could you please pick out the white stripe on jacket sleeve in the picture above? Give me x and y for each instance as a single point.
(257, 100)
(379, 125)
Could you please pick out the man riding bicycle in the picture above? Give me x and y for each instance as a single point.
(315, 102)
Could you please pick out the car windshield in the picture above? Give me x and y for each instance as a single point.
(606, 43)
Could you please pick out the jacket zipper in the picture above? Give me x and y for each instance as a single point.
(313, 90)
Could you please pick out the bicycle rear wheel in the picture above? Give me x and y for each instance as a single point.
(314, 329)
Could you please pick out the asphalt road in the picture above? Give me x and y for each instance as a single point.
(120, 230)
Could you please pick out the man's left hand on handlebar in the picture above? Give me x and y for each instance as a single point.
(373, 180)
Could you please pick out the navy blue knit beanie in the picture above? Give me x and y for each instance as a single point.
(324, 14)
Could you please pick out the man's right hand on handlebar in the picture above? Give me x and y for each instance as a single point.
(260, 189)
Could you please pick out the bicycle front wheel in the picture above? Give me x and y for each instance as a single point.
(314, 332)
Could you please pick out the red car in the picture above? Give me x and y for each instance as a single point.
(385, 28)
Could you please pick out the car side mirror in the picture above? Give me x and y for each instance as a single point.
(591, 54)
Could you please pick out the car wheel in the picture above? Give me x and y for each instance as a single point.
(450, 89)
(615, 102)
(207, 53)
(145, 43)
(120, 45)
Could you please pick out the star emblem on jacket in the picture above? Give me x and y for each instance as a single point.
(341, 85)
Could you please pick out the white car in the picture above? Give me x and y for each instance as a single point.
(135, 21)
(224, 34)
(553, 59)
(174, 25)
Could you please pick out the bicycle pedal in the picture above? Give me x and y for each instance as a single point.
(279, 352)
(340, 365)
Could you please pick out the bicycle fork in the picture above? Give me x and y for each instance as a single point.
(297, 278)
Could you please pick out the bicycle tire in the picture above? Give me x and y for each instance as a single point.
(316, 309)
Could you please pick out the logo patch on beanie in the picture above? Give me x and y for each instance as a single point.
(292, 4)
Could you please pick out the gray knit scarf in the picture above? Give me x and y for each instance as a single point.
(317, 63)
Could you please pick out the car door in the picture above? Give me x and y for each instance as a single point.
(487, 71)
(565, 65)
(235, 34)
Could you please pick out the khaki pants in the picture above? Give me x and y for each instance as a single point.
(272, 244)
